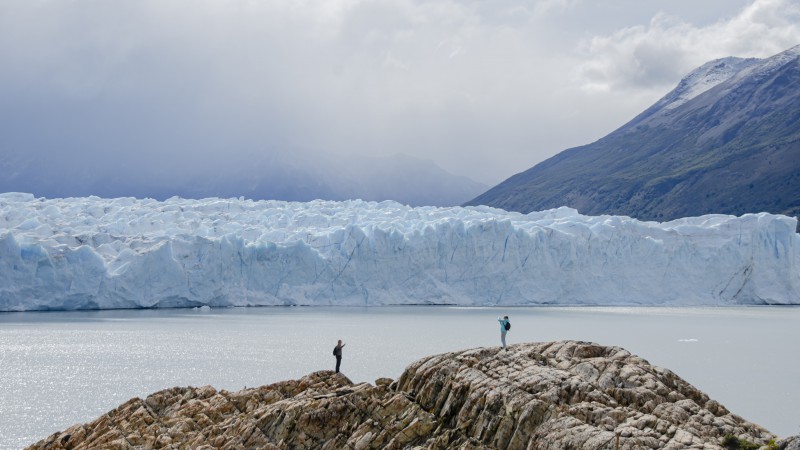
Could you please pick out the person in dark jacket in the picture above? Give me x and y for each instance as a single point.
(337, 352)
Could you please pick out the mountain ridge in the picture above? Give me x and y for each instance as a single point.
(285, 175)
(731, 149)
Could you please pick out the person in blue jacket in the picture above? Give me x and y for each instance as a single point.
(505, 325)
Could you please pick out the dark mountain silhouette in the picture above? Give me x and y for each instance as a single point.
(726, 140)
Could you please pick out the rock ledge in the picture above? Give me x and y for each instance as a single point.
(554, 396)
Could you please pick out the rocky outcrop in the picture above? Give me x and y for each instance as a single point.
(791, 443)
(570, 395)
(558, 395)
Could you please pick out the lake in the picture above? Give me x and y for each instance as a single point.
(62, 368)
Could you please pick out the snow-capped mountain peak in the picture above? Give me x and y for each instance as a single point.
(704, 78)
(718, 71)
(765, 67)
(725, 140)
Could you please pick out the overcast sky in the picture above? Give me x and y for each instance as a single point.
(485, 89)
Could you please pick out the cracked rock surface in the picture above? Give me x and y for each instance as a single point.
(547, 396)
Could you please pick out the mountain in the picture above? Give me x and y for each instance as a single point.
(290, 176)
(303, 176)
(725, 140)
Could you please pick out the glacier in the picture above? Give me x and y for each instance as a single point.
(95, 253)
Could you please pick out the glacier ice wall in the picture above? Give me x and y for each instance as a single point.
(80, 253)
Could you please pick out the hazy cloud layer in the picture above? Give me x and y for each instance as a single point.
(656, 54)
(485, 89)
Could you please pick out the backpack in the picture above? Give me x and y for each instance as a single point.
(508, 325)
(334, 351)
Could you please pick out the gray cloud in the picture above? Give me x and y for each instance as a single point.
(484, 89)
(654, 55)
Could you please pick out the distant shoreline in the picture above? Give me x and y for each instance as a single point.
(414, 305)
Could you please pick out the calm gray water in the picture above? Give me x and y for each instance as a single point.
(61, 368)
